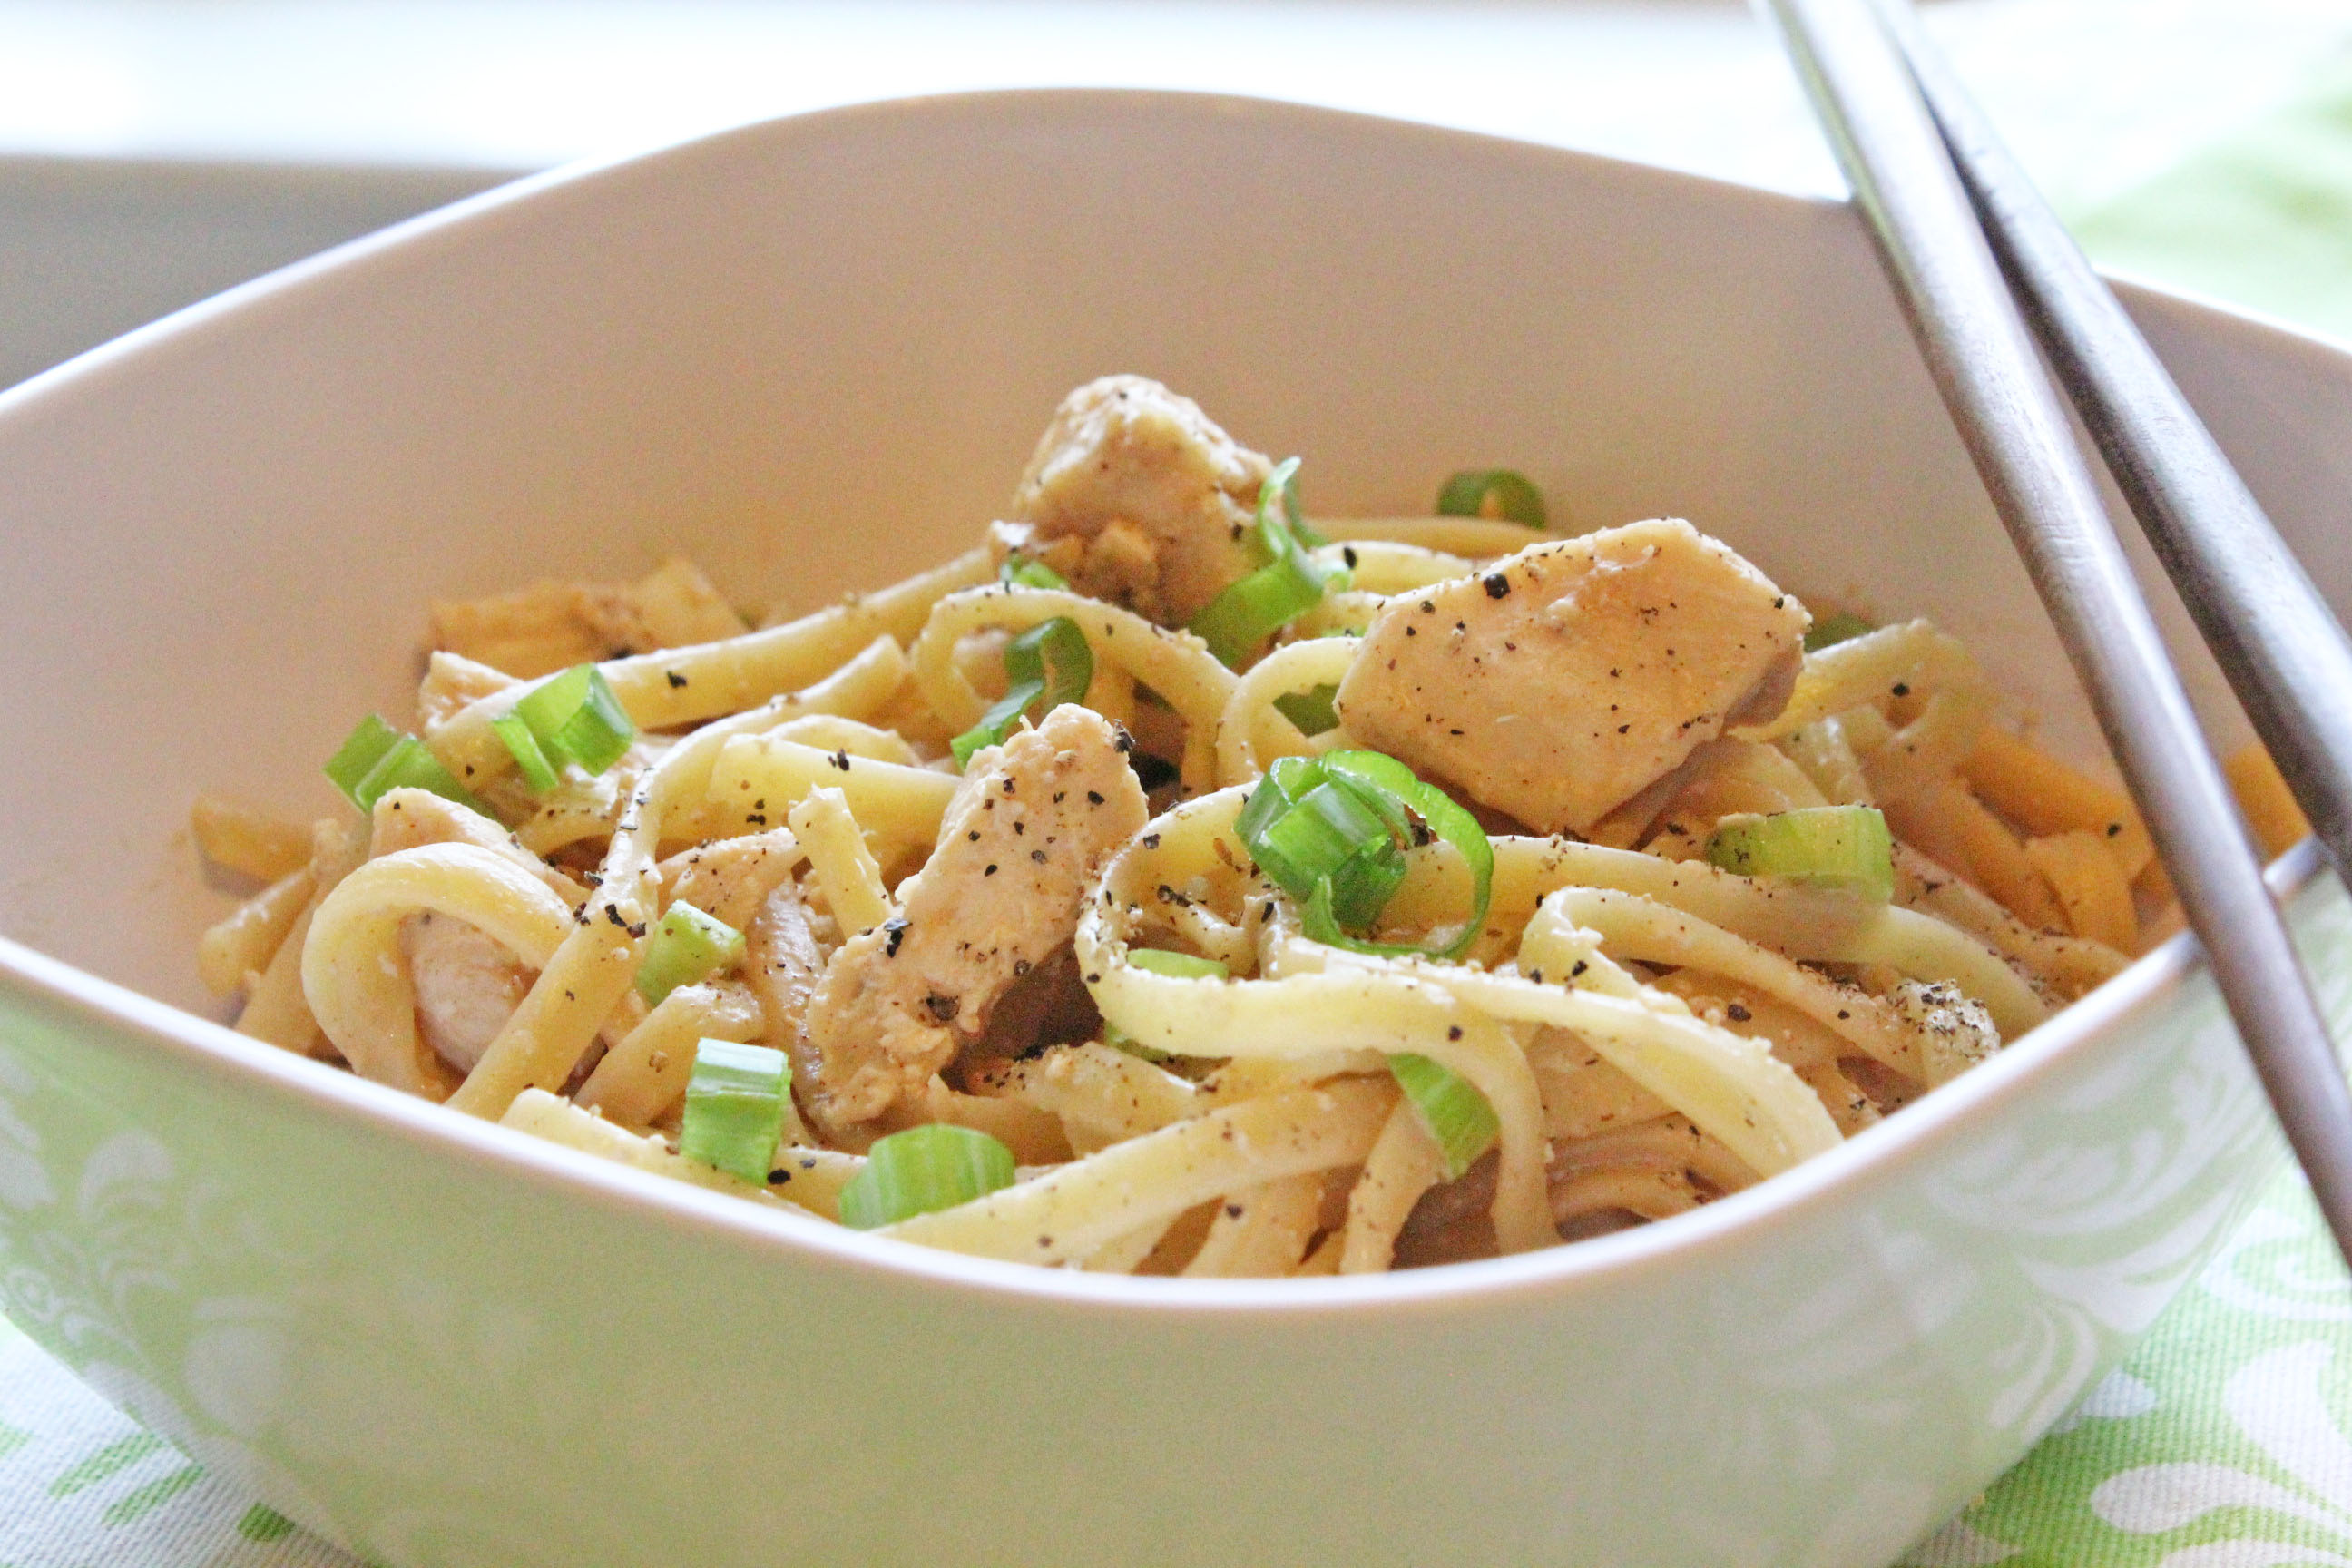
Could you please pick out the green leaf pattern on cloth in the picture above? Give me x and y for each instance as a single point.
(2225, 1443)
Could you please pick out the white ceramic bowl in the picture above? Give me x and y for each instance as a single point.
(814, 354)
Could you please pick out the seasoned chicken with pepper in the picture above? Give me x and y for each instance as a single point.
(1562, 681)
(1027, 831)
(1137, 497)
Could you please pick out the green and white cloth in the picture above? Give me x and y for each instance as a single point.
(2226, 1442)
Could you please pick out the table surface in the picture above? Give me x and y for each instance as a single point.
(151, 152)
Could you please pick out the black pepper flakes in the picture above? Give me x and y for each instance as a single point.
(675, 680)
(1496, 585)
(1737, 1014)
(893, 931)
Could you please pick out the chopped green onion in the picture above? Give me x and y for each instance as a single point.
(1160, 961)
(1022, 573)
(735, 1108)
(1503, 494)
(576, 718)
(1839, 626)
(1290, 582)
(686, 946)
(1449, 1107)
(934, 1166)
(1049, 663)
(1331, 831)
(1342, 850)
(1842, 847)
(538, 772)
(1313, 710)
(377, 759)
(364, 747)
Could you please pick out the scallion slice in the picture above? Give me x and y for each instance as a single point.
(1842, 847)
(1343, 849)
(1504, 494)
(935, 1166)
(364, 747)
(1449, 1107)
(1290, 582)
(530, 760)
(735, 1108)
(686, 946)
(576, 718)
(377, 759)
(1313, 711)
(1837, 627)
(1049, 663)
(1022, 573)
(1331, 831)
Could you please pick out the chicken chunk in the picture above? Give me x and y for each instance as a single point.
(467, 984)
(1137, 497)
(467, 987)
(1564, 680)
(1023, 841)
(551, 626)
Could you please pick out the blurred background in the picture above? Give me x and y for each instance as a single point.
(154, 151)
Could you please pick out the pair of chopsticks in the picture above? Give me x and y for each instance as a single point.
(1951, 212)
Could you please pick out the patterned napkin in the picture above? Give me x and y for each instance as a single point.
(2227, 1441)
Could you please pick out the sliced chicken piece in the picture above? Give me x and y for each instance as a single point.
(551, 626)
(1024, 838)
(785, 961)
(1137, 497)
(1564, 680)
(467, 987)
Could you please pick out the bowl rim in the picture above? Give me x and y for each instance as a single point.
(189, 1040)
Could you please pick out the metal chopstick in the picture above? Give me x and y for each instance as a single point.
(2284, 652)
(1976, 345)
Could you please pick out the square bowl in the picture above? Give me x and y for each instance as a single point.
(812, 354)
